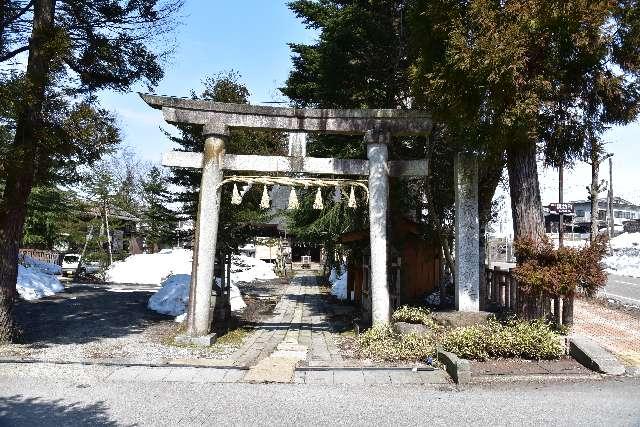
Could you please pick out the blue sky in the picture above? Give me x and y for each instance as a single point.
(251, 36)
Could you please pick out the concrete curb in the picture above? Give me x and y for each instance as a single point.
(365, 368)
(590, 354)
(459, 369)
(119, 364)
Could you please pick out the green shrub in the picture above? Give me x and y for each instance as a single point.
(416, 315)
(382, 343)
(527, 339)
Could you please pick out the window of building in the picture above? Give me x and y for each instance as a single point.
(602, 214)
(618, 214)
(580, 213)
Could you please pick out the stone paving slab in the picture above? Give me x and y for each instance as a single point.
(195, 375)
(370, 377)
(376, 377)
(348, 377)
(140, 373)
(319, 377)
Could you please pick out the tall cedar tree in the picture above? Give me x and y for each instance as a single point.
(363, 59)
(73, 47)
(159, 221)
(543, 76)
(236, 222)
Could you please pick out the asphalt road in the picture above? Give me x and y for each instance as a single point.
(624, 289)
(46, 402)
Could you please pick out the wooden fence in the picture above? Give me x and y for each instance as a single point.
(501, 290)
(52, 257)
(501, 293)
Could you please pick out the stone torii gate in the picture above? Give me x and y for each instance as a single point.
(377, 128)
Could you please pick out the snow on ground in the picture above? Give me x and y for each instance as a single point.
(44, 267)
(150, 269)
(339, 282)
(36, 279)
(626, 255)
(171, 269)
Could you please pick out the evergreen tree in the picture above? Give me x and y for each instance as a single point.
(363, 59)
(524, 76)
(159, 222)
(74, 48)
(236, 222)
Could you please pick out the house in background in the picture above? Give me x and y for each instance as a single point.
(623, 211)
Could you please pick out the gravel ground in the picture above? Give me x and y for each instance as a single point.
(97, 322)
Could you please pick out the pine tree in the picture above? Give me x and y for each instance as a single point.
(159, 221)
(236, 222)
(528, 77)
(74, 49)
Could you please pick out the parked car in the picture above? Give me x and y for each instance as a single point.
(70, 265)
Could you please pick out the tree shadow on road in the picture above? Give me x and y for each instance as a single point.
(35, 411)
(84, 314)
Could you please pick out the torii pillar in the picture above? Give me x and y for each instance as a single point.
(206, 236)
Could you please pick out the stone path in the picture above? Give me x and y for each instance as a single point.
(299, 319)
(617, 331)
(298, 332)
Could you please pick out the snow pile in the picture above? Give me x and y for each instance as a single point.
(626, 241)
(247, 269)
(171, 269)
(625, 260)
(44, 267)
(150, 269)
(173, 297)
(339, 283)
(36, 279)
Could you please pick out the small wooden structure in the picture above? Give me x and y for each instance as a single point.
(414, 267)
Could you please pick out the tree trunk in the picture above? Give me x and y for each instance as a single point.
(526, 207)
(524, 189)
(22, 163)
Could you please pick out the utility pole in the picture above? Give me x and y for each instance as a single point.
(610, 196)
(594, 189)
(561, 201)
(558, 306)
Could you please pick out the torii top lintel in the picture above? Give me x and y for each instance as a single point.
(220, 116)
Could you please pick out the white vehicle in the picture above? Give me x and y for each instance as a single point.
(70, 265)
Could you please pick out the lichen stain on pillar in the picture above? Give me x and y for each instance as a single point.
(378, 205)
(202, 277)
(467, 231)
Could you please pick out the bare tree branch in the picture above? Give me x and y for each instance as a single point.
(11, 19)
(13, 53)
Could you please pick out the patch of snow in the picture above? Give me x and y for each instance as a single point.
(625, 260)
(172, 298)
(33, 283)
(339, 282)
(626, 241)
(171, 269)
(45, 267)
(433, 298)
(247, 269)
(150, 269)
